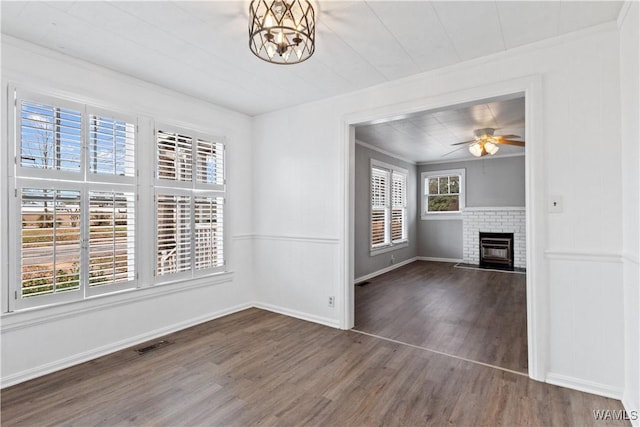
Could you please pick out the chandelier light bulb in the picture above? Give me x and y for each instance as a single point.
(268, 21)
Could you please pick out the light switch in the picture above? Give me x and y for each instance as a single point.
(555, 204)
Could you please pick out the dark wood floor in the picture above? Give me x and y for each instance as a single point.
(475, 314)
(261, 368)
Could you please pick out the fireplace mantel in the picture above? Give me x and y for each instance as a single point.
(507, 219)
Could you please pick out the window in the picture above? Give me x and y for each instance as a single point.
(78, 192)
(388, 206)
(443, 193)
(75, 189)
(189, 194)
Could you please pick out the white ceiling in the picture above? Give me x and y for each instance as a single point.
(200, 48)
(427, 136)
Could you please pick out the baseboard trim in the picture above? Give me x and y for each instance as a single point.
(86, 356)
(384, 270)
(298, 314)
(584, 385)
(632, 412)
(436, 259)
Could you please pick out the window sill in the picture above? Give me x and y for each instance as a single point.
(33, 316)
(430, 216)
(385, 249)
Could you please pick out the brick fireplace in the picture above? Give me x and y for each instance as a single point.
(493, 220)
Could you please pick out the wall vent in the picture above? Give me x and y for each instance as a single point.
(151, 347)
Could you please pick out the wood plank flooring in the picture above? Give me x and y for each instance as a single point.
(259, 368)
(475, 314)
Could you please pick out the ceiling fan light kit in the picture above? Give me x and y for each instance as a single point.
(282, 31)
(486, 143)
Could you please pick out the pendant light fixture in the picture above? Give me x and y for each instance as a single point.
(282, 31)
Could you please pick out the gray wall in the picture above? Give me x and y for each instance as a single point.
(490, 182)
(364, 263)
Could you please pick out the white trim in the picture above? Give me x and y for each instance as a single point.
(624, 12)
(632, 258)
(496, 208)
(436, 259)
(388, 166)
(470, 159)
(629, 407)
(583, 385)
(567, 255)
(113, 347)
(292, 238)
(386, 153)
(384, 270)
(43, 314)
(444, 215)
(535, 183)
(462, 193)
(243, 237)
(388, 248)
(332, 323)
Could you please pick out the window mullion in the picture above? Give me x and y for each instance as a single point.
(85, 261)
(193, 231)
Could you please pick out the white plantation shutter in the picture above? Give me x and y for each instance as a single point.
(209, 229)
(50, 137)
(175, 156)
(379, 206)
(398, 206)
(210, 165)
(111, 237)
(74, 230)
(190, 190)
(388, 205)
(111, 146)
(50, 241)
(173, 223)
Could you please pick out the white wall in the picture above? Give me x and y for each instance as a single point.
(630, 99)
(300, 193)
(36, 342)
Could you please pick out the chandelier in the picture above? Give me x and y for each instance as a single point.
(282, 31)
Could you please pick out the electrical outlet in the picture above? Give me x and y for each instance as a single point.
(332, 302)
(393, 259)
(555, 204)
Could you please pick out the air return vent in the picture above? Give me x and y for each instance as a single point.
(151, 347)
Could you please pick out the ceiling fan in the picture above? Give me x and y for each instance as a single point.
(485, 142)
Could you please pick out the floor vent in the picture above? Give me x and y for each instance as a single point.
(366, 282)
(149, 348)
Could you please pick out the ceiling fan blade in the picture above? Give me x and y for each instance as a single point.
(451, 152)
(509, 142)
(507, 136)
(464, 142)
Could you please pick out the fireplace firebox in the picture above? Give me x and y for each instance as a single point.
(496, 250)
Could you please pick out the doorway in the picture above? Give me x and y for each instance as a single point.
(530, 89)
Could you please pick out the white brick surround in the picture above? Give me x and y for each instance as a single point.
(493, 220)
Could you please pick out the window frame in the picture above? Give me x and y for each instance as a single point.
(140, 183)
(425, 176)
(20, 177)
(389, 244)
(193, 189)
